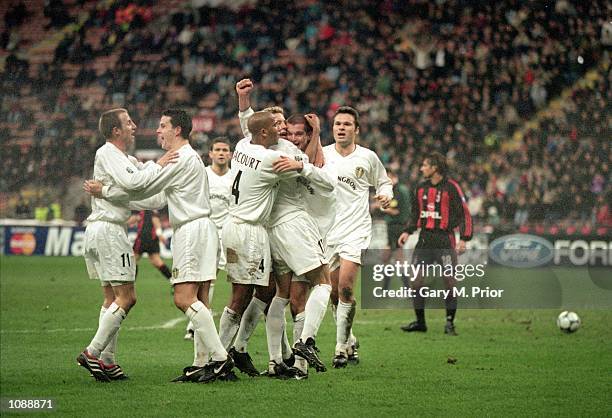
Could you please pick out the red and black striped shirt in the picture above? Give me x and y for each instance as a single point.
(146, 231)
(440, 207)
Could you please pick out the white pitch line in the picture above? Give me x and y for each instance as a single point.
(166, 325)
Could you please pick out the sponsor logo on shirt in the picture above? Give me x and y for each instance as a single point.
(430, 214)
(347, 180)
(306, 183)
(225, 199)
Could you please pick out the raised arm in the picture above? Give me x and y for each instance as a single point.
(244, 88)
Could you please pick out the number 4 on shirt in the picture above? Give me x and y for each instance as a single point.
(235, 186)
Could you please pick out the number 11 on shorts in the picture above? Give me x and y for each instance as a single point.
(125, 260)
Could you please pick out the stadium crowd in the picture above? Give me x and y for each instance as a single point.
(455, 76)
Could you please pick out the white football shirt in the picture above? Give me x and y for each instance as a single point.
(356, 173)
(319, 192)
(183, 186)
(112, 167)
(220, 195)
(255, 183)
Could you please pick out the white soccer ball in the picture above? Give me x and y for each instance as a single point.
(568, 321)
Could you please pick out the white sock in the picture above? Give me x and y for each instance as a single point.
(200, 353)
(274, 327)
(316, 306)
(108, 354)
(205, 326)
(346, 313)
(107, 328)
(285, 346)
(228, 327)
(250, 318)
(335, 312)
(298, 326)
(211, 292)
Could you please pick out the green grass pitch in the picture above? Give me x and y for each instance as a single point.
(508, 362)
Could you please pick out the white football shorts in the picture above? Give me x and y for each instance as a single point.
(247, 253)
(194, 252)
(109, 256)
(349, 250)
(297, 246)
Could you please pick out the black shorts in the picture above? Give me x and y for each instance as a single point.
(149, 246)
(435, 247)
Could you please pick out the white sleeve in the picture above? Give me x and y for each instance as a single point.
(126, 174)
(115, 195)
(165, 179)
(244, 119)
(267, 171)
(157, 201)
(379, 178)
(319, 177)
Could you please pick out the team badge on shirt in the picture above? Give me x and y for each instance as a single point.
(129, 170)
(359, 172)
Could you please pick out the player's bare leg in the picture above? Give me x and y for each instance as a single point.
(314, 312)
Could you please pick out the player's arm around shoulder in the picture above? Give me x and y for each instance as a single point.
(279, 166)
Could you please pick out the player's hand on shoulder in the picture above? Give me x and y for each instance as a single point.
(93, 187)
(285, 164)
(244, 87)
(168, 158)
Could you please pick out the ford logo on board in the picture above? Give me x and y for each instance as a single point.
(521, 250)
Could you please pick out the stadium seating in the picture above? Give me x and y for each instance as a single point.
(458, 76)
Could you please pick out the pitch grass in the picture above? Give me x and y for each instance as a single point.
(507, 362)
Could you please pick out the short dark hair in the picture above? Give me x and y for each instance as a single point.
(219, 140)
(438, 160)
(181, 119)
(108, 121)
(350, 111)
(297, 119)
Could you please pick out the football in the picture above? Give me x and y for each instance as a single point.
(568, 322)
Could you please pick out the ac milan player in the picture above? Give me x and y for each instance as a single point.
(438, 208)
(147, 240)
